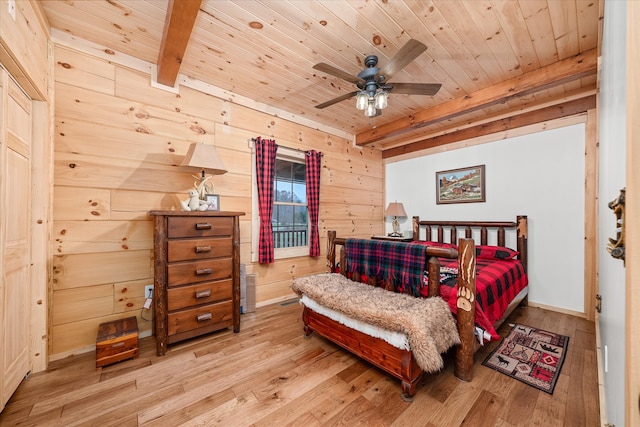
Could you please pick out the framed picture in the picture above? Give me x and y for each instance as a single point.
(464, 185)
(213, 202)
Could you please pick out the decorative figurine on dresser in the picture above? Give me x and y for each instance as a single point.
(196, 274)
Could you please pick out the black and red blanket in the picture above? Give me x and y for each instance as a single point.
(399, 264)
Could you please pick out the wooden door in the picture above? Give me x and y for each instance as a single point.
(632, 220)
(15, 234)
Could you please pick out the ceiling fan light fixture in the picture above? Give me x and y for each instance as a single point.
(381, 100)
(373, 82)
(362, 99)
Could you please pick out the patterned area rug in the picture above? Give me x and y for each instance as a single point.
(530, 355)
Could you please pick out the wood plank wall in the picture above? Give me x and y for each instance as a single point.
(24, 47)
(118, 144)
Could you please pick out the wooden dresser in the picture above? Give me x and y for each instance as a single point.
(196, 274)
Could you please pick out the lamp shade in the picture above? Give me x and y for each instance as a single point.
(370, 111)
(381, 100)
(204, 156)
(395, 209)
(362, 100)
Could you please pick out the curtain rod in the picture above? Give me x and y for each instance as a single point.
(253, 140)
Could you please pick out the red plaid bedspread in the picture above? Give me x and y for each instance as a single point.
(497, 284)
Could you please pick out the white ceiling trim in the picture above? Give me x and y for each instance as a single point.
(103, 52)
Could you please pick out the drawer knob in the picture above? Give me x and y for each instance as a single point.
(203, 226)
(203, 249)
(204, 317)
(203, 271)
(118, 344)
(203, 294)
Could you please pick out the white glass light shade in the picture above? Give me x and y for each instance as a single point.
(381, 100)
(362, 99)
(371, 109)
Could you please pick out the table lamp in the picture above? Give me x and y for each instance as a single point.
(395, 210)
(204, 157)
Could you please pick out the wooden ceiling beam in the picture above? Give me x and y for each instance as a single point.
(463, 122)
(178, 24)
(576, 67)
(569, 108)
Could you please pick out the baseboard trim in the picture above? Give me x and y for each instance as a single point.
(276, 300)
(558, 309)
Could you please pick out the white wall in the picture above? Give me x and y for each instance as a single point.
(540, 175)
(612, 177)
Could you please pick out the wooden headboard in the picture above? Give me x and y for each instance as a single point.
(434, 231)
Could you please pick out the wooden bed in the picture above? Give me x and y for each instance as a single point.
(401, 363)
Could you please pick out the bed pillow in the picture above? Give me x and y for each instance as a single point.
(495, 252)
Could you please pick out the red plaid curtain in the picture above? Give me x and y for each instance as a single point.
(265, 174)
(313, 160)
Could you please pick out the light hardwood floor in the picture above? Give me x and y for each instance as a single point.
(270, 375)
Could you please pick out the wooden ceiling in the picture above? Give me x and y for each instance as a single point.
(496, 59)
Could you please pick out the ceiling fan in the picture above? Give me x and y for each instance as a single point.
(373, 82)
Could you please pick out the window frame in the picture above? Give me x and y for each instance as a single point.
(289, 155)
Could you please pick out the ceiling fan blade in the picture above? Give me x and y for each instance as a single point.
(416, 88)
(330, 69)
(410, 51)
(336, 100)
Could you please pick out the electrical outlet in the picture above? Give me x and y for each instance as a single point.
(148, 291)
(11, 7)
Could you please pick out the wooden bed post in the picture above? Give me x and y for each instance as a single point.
(434, 276)
(523, 231)
(466, 304)
(522, 222)
(416, 228)
(331, 250)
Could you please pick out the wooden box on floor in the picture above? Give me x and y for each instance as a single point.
(117, 341)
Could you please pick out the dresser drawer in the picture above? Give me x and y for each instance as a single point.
(200, 317)
(188, 249)
(199, 227)
(202, 293)
(199, 271)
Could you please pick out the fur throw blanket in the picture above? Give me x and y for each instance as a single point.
(428, 323)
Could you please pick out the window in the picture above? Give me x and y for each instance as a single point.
(290, 220)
